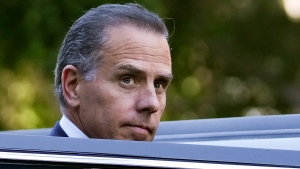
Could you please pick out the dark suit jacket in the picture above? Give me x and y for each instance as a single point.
(58, 131)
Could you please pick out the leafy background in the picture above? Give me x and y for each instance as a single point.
(230, 58)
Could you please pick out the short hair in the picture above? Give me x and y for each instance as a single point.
(83, 44)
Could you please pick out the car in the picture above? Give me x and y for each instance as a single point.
(263, 142)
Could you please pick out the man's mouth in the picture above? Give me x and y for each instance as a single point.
(141, 130)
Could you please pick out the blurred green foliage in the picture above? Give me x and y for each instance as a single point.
(230, 58)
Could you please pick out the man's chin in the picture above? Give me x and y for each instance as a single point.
(137, 134)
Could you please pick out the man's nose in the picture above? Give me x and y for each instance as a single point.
(148, 101)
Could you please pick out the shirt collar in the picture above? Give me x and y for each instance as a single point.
(71, 129)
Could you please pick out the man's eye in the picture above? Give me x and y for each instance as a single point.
(128, 80)
(158, 85)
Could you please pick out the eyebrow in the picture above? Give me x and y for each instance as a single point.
(132, 69)
(138, 71)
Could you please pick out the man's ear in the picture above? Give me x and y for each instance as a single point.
(70, 79)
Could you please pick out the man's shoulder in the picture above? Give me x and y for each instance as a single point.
(58, 131)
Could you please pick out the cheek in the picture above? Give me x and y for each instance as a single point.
(162, 108)
(113, 103)
(157, 117)
(162, 101)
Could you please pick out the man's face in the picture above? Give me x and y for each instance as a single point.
(128, 96)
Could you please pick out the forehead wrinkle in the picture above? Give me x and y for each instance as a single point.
(151, 61)
(153, 54)
(150, 54)
(138, 50)
(139, 45)
(116, 46)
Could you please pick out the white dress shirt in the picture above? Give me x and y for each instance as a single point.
(70, 129)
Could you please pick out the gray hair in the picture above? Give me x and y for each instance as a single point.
(83, 44)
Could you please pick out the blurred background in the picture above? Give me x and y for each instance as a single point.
(231, 58)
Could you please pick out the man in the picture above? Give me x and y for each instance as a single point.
(112, 74)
